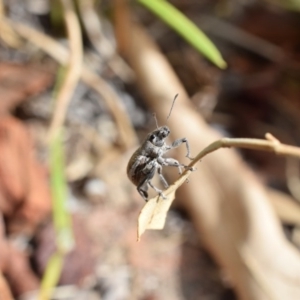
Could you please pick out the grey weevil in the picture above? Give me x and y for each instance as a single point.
(149, 157)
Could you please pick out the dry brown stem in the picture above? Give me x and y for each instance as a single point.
(73, 70)
(227, 203)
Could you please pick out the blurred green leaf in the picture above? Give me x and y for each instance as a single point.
(289, 4)
(51, 276)
(61, 217)
(186, 28)
(57, 17)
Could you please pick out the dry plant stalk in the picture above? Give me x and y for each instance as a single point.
(6, 33)
(154, 213)
(230, 208)
(74, 67)
(94, 30)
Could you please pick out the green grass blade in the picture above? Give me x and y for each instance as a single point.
(61, 217)
(51, 276)
(186, 28)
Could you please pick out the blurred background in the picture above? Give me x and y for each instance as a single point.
(79, 83)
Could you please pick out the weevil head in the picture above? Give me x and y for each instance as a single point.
(158, 136)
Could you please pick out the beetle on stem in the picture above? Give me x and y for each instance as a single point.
(148, 158)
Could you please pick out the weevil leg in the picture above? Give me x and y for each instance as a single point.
(142, 189)
(161, 176)
(148, 174)
(150, 171)
(144, 194)
(175, 163)
(178, 142)
(158, 191)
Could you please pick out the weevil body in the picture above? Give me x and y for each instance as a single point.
(148, 159)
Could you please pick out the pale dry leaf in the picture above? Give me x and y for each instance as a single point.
(154, 213)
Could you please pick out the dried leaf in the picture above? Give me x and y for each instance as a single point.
(24, 192)
(19, 273)
(154, 213)
(19, 82)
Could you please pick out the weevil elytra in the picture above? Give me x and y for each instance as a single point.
(148, 159)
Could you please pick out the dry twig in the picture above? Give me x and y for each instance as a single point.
(104, 47)
(74, 67)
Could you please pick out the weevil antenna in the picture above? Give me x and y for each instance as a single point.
(172, 107)
(154, 116)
